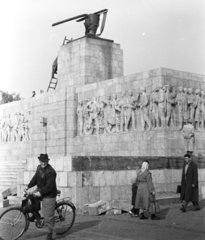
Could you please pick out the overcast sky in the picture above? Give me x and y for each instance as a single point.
(152, 34)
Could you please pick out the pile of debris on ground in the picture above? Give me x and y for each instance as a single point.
(7, 196)
(106, 207)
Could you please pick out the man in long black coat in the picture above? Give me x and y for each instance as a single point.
(189, 184)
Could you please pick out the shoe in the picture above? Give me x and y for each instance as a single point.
(182, 208)
(49, 236)
(142, 216)
(154, 217)
(33, 218)
(196, 208)
(133, 214)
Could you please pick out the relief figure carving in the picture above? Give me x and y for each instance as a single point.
(197, 105)
(189, 137)
(144, 106)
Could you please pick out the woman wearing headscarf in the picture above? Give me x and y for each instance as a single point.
(145, 191)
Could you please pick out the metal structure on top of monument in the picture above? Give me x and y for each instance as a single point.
(92, 22)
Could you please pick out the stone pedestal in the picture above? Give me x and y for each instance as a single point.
(88, 60)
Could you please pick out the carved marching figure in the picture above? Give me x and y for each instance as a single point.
(27, 127)
(121, 104)
(80, 113)
(180, 104)
(129, 111)
(169, 105)
(202, 109)
(3, 130)
(8, 128)
(191, 106)
(91, 113)
(197, 105)
(189, 138)
(115, 105)
(109, 115)
(185, 106)
(154, 108)
(16, 127)
(144, 106)
(161, 106)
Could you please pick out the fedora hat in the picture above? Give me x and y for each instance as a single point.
(43, 157)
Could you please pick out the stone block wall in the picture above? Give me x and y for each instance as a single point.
(86, 183)
(88, 60)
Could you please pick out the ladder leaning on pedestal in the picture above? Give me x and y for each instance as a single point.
(54, 80)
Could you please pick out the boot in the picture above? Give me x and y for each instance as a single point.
(142, 216)
(154, 217)
(49, 236)
(183, 208)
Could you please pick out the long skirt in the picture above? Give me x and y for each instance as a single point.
(143, 196)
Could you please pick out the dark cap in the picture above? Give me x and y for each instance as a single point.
(43, 157)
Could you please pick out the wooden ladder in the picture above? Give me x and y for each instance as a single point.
(52, 84)
(54, 81)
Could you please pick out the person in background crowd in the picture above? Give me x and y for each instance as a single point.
(45, 179)
(145, 192)
(33, 94)
(189, 184)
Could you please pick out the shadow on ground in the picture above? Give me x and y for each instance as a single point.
(80, 226)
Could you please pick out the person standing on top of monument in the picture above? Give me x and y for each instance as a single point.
(189, 184)
(45, 179)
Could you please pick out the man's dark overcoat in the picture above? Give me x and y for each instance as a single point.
(189, 193)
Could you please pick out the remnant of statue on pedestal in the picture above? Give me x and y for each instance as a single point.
(154, 108)
(80, 112)
(169, 105)
(180, 104)
(161, 106)
(202, 110)
(144, 106)
(91, 22)
(197, 105)
(191, 106)
(189, 138)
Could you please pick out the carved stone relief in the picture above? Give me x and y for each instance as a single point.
(164, 108)
(15, 128)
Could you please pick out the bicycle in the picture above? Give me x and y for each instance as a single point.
(15, 220)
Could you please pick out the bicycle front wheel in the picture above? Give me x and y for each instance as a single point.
(64, 217)
(13, 223)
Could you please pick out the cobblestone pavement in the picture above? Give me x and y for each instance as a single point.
(174, 225)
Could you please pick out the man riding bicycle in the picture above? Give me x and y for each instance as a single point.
(45, 179)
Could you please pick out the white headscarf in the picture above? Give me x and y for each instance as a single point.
(145, 166)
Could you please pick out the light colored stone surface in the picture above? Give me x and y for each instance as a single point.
(4, 203)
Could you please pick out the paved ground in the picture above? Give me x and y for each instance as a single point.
(174, 225)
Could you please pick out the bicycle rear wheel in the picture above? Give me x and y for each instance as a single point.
(13, 223)
(64, 217)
